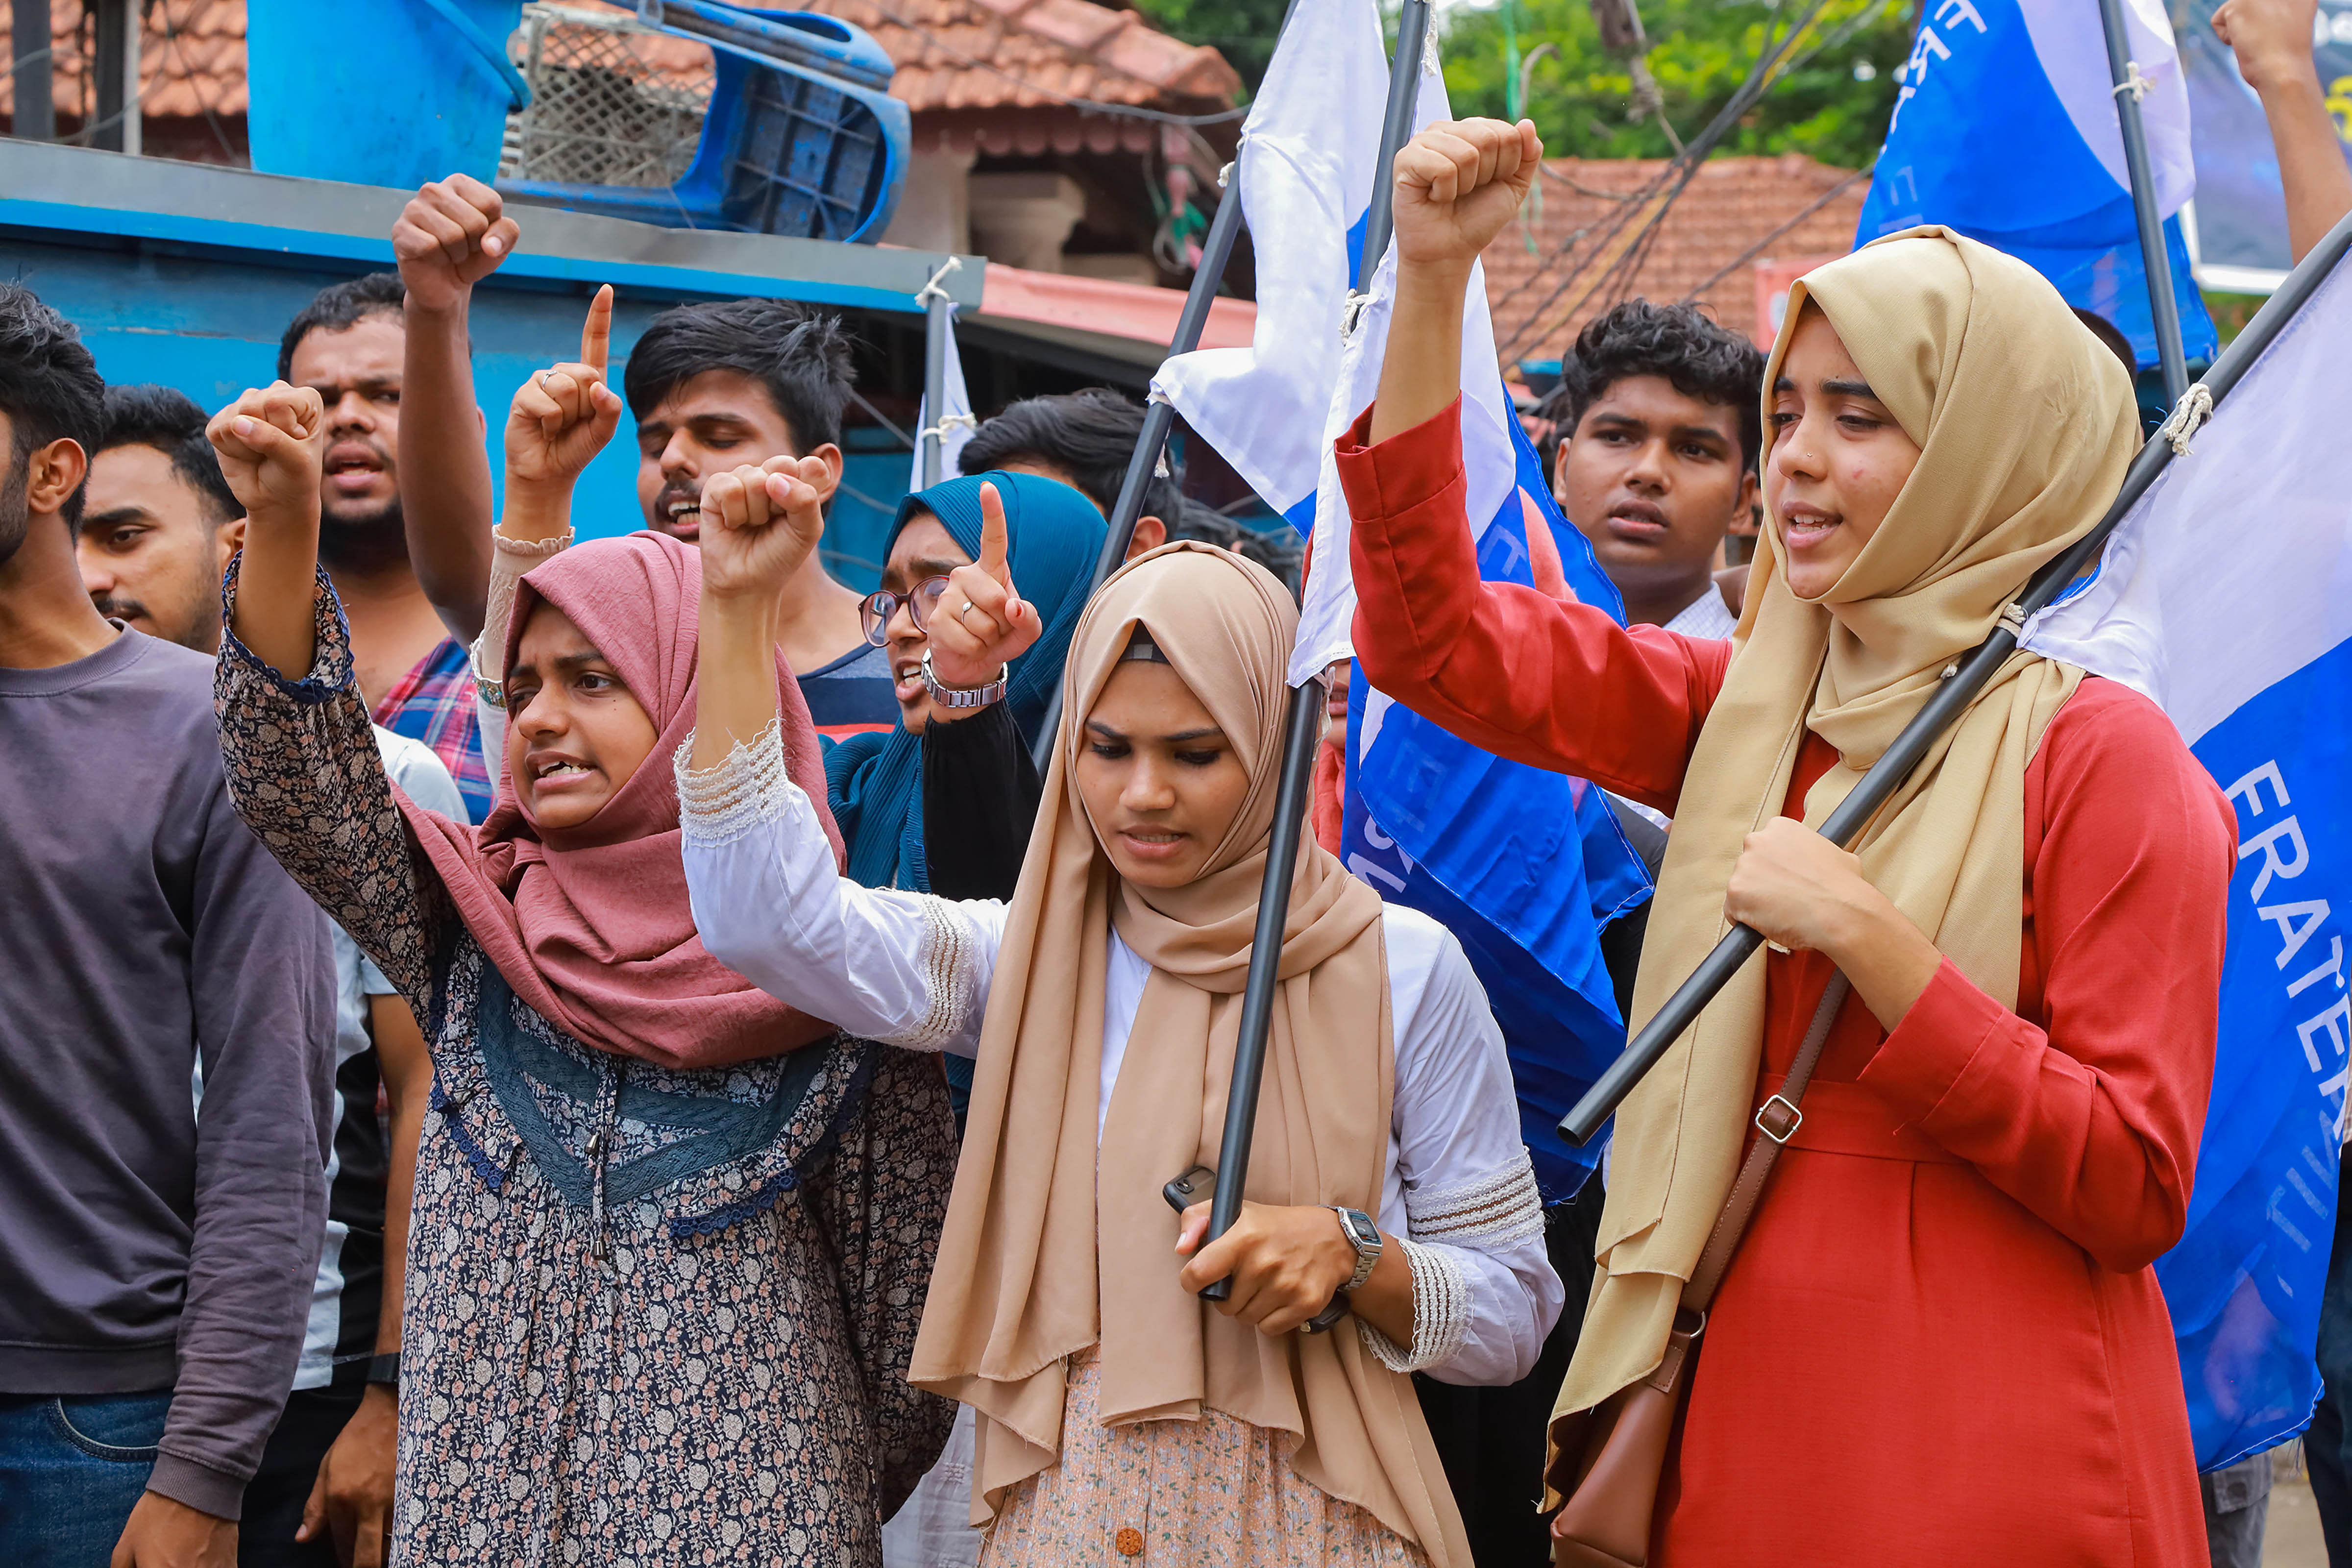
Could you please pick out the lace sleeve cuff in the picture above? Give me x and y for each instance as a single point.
(509, 559)
(1486, 1212)
(754, 784)
(1440, 1312)
(951, 974)
(331, 665)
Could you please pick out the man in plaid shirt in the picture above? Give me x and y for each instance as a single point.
(348, 345)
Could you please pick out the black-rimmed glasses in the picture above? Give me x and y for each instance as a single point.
(874, 610)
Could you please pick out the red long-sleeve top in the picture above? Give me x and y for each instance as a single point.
(1941, 1340)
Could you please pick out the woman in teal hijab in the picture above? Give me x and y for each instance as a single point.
(876, 782)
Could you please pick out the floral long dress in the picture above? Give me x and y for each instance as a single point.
(651, 1316)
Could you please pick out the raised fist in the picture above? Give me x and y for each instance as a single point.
(452, 233)
(562, 418)
(1457, 184)
(981, 624)
(269, 442)
(759, 525)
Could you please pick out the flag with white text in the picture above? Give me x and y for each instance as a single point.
(2226, 596)
(2005, 129)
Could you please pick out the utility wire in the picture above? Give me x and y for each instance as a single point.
(1658, 196)
(1757, 249)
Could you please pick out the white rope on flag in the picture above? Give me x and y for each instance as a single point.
(2195, 408)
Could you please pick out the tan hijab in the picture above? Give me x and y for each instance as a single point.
(1053, 1244)
(2025, 424)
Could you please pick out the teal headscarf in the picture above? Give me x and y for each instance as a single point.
(1053, 534)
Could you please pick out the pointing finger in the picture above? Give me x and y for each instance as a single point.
(596, 332)
(993, 535)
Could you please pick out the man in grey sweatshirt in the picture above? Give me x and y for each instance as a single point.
(166, 1036)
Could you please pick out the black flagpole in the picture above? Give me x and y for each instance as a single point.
(1960, 689)
(2164, 310)
(1303, 724)
(1159, 418)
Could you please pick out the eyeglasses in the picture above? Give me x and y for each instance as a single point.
(874, 610)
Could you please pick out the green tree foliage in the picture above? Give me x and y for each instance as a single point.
(1240, 31)
(1833, 102)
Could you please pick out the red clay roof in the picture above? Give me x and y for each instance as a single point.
(1729, 209)
(190, 59)
(954, 57)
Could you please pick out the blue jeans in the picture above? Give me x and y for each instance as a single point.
(70, 1471)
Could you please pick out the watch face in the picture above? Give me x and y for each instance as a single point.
(1361, 1229)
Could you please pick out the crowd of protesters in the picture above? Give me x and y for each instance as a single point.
(517, 1048)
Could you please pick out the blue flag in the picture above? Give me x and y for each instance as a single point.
(1524, 866)
(2226, 596)
(2005, 129)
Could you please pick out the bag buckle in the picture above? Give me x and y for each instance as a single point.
(1782, 1127)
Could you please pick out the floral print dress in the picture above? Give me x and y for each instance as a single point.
(652, 1316)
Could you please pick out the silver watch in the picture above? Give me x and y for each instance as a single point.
(1365, 1237)
(961, 697)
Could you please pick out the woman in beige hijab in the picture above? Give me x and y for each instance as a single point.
(1119, 1417)
(1941, 1340)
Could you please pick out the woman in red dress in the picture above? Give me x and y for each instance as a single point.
(1941, 1340)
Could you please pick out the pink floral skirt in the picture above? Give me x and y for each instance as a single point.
(1212, 1493)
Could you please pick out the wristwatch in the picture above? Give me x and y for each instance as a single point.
(384, 1369)
(1365, 1237)
(961, 697)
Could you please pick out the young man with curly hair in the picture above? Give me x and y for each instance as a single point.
(1660, 418)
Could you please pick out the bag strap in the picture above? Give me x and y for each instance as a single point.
(1778, 1120)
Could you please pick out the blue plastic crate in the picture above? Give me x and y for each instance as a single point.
(801, 136)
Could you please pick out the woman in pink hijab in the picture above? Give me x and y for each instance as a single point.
(667, 1230)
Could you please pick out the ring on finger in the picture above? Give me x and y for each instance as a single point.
(964, 614)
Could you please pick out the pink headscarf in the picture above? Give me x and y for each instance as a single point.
(590, 925)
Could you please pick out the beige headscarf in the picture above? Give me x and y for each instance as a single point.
(1052, 1244)
(2025, 424)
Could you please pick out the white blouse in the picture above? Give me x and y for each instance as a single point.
(912, 970)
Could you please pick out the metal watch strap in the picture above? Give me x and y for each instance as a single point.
(963, 697)
(1365, 1260)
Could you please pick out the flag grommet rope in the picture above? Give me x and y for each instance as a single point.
(931, 290)
(2195, 408)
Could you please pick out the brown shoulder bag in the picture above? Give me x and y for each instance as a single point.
(1619, 1447)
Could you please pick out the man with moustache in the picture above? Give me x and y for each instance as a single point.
(349, 345)
(711, 385)
(158, 523)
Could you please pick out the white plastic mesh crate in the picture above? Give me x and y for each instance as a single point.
(612, 104)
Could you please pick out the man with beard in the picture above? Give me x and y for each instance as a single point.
(158, 523)
(710, 385)
(348, 345)
(157, 1262)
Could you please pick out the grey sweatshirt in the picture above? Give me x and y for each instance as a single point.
(146, 1245)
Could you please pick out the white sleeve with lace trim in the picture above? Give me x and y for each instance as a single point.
(1462, 1202)
(906, 969)
(509, 559)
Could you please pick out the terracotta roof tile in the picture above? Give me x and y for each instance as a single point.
(190, 59)
(953, 57)
(1730, 208)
